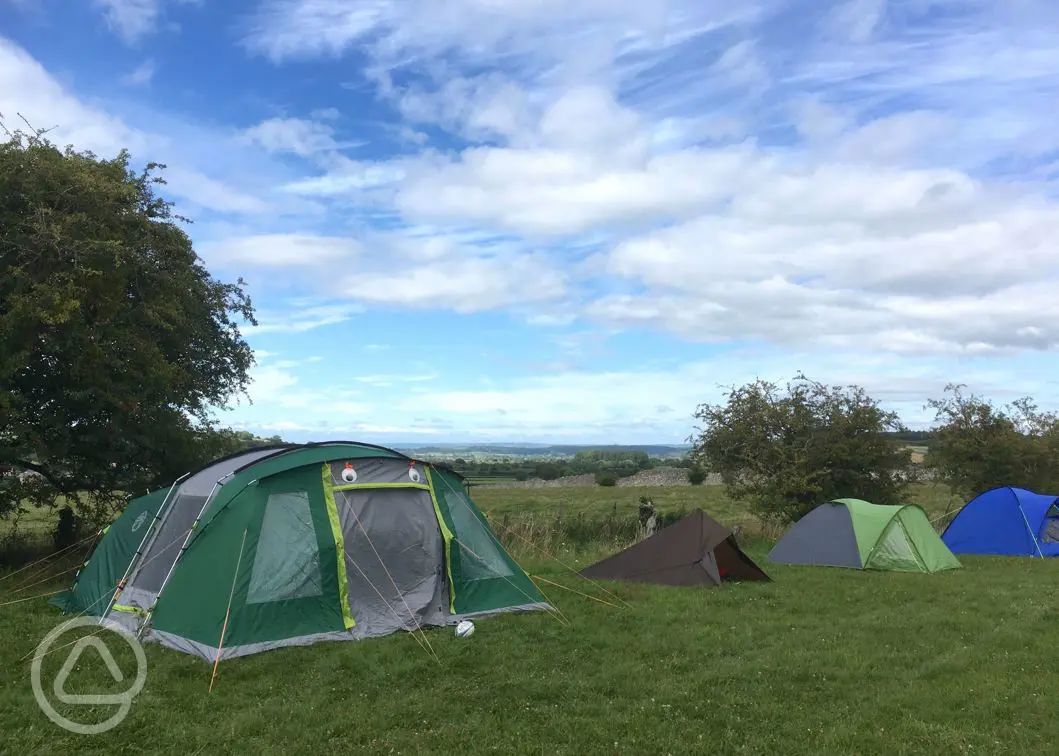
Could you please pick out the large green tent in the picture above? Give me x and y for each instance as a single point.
(858, 534)
(298, 544)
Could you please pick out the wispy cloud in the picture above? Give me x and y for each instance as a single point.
(131, 19)
(141, 75)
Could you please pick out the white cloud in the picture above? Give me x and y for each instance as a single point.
(296, 135)
(415, 269)
(622, 405)
(741, 66)
(562, 191)
(135, 20)
(463, 284)
(855, 20)
(389, 379)
(303, 318)
(131, 20)
(846, 258)
(27, 88)
(282, 250)
(482, 30)
(141, 75)
(214, 194)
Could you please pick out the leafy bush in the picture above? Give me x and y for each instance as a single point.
(606, 479)
(783, 450)
(978, 446)
(696, 476)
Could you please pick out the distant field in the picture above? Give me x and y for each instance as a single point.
(600, 500)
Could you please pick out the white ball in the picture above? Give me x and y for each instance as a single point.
(465, 629)
(349, 475)
(413, 475)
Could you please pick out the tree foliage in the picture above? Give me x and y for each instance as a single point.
(115, 341)
(978, 446)
(784, 450)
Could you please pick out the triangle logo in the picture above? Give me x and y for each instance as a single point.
(59, 686)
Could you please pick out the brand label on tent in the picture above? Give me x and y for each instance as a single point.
(139, 521)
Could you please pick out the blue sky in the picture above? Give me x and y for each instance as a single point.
(534, 220)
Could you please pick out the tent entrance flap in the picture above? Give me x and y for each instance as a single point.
(895, 551)
(394, 558)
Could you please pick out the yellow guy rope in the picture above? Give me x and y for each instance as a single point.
(227, 612)
(553, 610)
(53, 554)
(568, 588)
(541, 549)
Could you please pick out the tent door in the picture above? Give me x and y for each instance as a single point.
(394, 558)
(895, 550)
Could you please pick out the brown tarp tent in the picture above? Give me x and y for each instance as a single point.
(696, 550)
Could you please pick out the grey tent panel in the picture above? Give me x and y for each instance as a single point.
(380, 470)
(162, 552)
(201, 483)
(824, 537)
(394, 559)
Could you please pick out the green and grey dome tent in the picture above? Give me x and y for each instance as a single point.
(299, 544)
(858, 534)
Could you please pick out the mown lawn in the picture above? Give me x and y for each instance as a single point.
(819, 660)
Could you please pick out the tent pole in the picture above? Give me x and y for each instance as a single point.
(227, 612)
(139, 549)
(187, 540)
(1029, 529)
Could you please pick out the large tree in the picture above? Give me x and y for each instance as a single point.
(978, 446)
(115, 341)
(784, 450)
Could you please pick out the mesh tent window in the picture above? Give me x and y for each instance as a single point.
(480, 557)
(287, 561)
(1050, 530)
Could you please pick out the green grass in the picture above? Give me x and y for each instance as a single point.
(819, 660)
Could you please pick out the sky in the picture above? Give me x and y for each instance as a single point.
(556, 221)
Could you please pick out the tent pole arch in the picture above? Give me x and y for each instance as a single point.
(139, 549)
(187, 540)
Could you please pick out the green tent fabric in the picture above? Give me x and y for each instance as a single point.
(859, 534)
(333, 541)
(97, 580)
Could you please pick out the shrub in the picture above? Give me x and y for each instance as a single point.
(784, 450)
(606, 479)
(696, 476)
(980, 446)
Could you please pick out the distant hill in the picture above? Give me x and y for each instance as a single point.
(912, 438)
(551, 451)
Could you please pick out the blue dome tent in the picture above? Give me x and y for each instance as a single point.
(1006, 521)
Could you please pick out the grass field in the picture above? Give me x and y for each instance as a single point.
(600, 500)
(819, 660)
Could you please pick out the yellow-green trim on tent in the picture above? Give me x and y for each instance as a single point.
(447, 536)
(355, 486)
(340, 548)
(128, 609)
